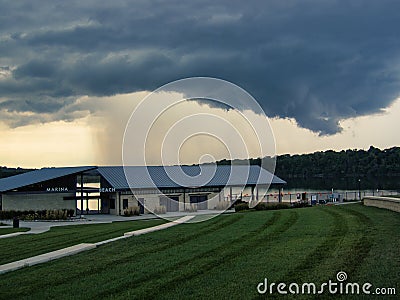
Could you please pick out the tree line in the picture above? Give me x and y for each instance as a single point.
(347, 169)
(346, 163)
(7, 172)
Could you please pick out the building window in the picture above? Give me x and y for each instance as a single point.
(124, 203)
(112, 203)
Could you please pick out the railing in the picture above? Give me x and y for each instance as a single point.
(316, 196)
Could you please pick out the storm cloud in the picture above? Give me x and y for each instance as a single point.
(315, 61)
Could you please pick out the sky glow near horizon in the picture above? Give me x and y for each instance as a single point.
(97, 139)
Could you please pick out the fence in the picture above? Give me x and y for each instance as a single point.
(316, 196)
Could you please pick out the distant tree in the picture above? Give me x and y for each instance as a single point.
(7, 172)
(349, 165)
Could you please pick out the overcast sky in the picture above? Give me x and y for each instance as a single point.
(316, 68)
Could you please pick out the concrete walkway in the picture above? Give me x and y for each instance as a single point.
(8, 235)
(83, 247)
(45, 257)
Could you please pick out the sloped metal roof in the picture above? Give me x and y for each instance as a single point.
(139, 177)
(186, 176)
(45, 174)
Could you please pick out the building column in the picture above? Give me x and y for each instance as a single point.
(184, 199)
(87, 203)
(118, 203)
(81, 193)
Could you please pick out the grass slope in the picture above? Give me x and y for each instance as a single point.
(11, 230)
(226, 257)
(24, 246)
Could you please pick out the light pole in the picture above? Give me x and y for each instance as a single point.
(359, 189)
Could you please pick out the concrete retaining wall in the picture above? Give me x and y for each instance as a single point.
(383, 202)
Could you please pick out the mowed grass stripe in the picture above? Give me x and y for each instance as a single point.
(131, 251)
(381, 265)
(321, 252)
(124, 257)
(264, 226)
(205, 258)
(263, 256)
(166, 244)
(357, 244)
(240, 274)
(343, 249)
(273, 227)
(226, 263)
(24, 246)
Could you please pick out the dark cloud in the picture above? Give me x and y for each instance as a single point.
(42, 105)
(315, 61)
(36, 69)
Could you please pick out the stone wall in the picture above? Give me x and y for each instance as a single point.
(383, 202)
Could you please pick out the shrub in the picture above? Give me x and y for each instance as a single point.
(279, 205)
(49, 215)
(241, 206)
(236, 202)
(30, 215)
(300, 204)
(132, 211)
(262, 206)
(6, 215)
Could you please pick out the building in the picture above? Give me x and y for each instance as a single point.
(111, 190)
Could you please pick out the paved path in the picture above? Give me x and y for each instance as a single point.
(8, 235)
(83, 247)
(31, 261)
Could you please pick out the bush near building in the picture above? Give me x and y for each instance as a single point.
(132, 211)
(29, 215)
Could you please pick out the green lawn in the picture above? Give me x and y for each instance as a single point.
(24, 246)
(225, 258)
(11, 230)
